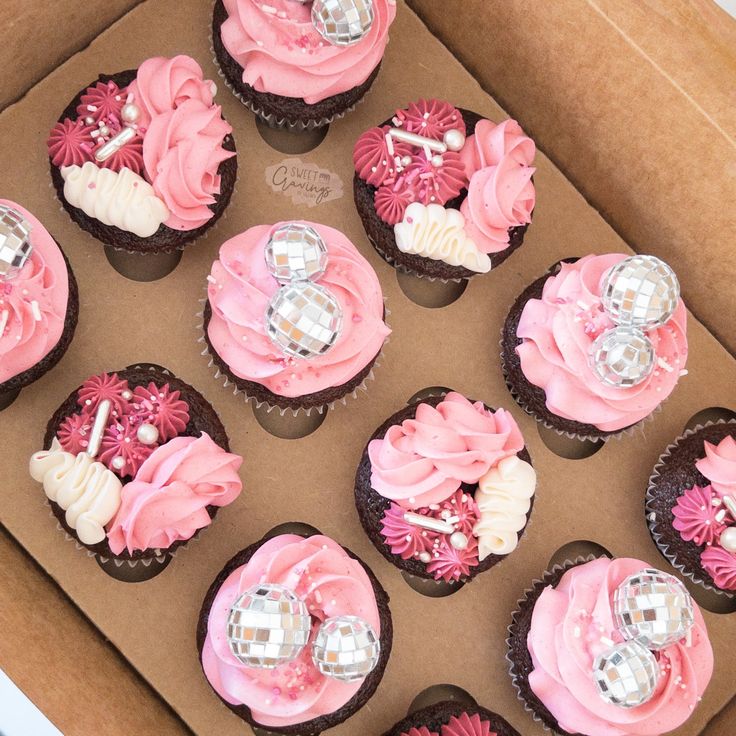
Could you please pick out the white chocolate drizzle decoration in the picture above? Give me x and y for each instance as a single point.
(123, 199)
(503, 497)
(438, 233)
(83, 487)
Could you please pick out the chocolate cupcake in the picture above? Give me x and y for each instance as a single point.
(39, 301)
(445, 488)
(636, 653)
(443, 192)
(143, 160)
(691, 505)
(301, 647)
(135, 463)
(294, 316)
(449, 718)
(300, 65)
(595, 345)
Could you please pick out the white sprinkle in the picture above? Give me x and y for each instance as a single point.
(4, 321)
(582, 305)
(259, 43)
(211, 278)
(36, 310)
(716, 501)
(92, 108)
(576, 632)
(427, 152)
(268, 9)
(683, 373)
(605, 640)
(398, 123)
(318, 596)
(389, 144)
(662, 363)
(721, 515)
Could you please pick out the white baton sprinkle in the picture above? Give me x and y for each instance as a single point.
(36, 310)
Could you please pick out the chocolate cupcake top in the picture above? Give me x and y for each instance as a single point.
(295, 308)
(451, 185)
(136, 462)
(306, 50)
(451, 487)
(296, 635)
(142, 151)
(34, 291)
(606, 341)
(449, 718)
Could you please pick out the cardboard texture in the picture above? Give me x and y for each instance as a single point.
(635, 103)
(311, 479)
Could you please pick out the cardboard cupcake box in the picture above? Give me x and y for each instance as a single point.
(599, 498)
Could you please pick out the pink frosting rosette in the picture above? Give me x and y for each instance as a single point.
(240, 289)
(558, 331)
(572, 623)
(167, 500)
(33, 304)
(331, 583)
(490, 143)
(282, 53)
(424, 460)
(182, 151)
(719, 466)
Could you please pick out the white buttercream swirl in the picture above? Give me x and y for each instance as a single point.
(84, 488)
(438, 233)
(123, 199)
(503, 497)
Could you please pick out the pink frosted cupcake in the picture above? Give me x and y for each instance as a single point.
(301, 64)
(597, 344)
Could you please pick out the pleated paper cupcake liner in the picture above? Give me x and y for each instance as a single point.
(662, 545)
(285, 411)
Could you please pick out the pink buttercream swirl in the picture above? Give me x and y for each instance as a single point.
(572, 623)
(33, 304)
(106, 100)
(70, 143)
(167, 501)
(491, 143)
(720, 564)
(696, 518)
(239, 291)
(431, 118)
(466, 725)
(331, 583)
(719, 466)
(106, 386)
(282, 53)
(182, 151)
(424, 460)
(162, 407)
(557, 332)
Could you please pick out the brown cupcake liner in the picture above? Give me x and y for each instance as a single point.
(257, 403)
(669, 554)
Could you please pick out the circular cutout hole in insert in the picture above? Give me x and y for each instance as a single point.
(288, 426)
(429, 293)
(426, 393)
(293, 527)
(578, 548)
(430, 587)
(137, 573)
(709, 599)
(288, 141)
(8, 397)
(568, 447)
(440, 694)
(142, 266)
(711, 414)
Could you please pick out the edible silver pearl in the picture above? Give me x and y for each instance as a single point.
(127, 395)
(425, 557)
(118, 462)
(406, 160)
(130, 113)
(458, 540)
(89, 120)
(728, 539)
(104, 131)
(454, 139)
(147, 434)
(436, 160)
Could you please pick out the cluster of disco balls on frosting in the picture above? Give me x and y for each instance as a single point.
(342, 22)
(269, 625)
(639, 294)
(15, 242)
(652, 610)
(303, 318)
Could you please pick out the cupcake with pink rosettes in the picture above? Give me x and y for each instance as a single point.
(294, 315)
(445, 488)
(691, 505)
(143, 160)
(301, 65)
(134, 464)
(443, 192)
(609, 646)
(594, 347)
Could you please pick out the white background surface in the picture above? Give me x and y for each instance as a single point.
(18, 715)
(728, 5)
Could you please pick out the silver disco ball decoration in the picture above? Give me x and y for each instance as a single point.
(640, 291)
(622, 357)
(654, 608)
(626, 675)
(346, 648)
(268, 626)
(15, 242)
(342, 22)
(296, 252)
(303, 319)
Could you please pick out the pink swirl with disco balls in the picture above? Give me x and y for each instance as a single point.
(282, 53)
(240, 289)
(719, 465)
(33, 304)
(424, 460)
(721, 566)
(167, 501)
(557, 332)
(572, 623)
(331, 583)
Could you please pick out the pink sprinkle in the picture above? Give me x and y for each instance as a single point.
(357, 318)
(91, 185)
